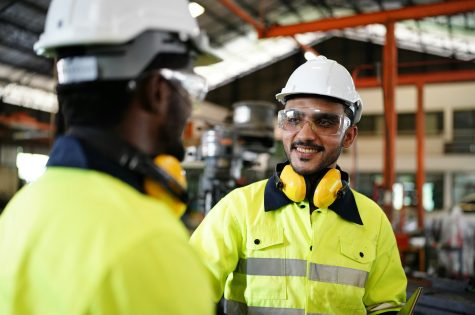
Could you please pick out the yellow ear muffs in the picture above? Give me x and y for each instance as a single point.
(293, 184)
(294, 187)
(153, 188)
(327, 189)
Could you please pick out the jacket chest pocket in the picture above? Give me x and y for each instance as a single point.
(361, 253)
(265, 266)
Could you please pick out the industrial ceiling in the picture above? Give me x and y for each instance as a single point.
(244, 33)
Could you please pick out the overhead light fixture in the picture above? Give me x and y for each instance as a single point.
(195, 9)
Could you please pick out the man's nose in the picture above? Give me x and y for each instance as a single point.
(308, 130)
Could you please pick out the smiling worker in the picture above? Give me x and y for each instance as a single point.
(303, 242)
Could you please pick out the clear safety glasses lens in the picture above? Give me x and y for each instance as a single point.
(193, 84)
(323, 123)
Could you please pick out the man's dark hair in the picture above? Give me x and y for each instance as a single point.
(97, 104)
(346, 107)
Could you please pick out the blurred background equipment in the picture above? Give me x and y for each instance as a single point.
(238, 152)
(217, 153)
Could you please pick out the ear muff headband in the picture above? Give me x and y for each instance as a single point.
(330, 186)
(164, 177)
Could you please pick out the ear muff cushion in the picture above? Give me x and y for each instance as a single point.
(153, 188)
(327, 189)
(293, 184)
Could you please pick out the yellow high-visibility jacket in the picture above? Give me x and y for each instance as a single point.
(271, 256)
(81, 242)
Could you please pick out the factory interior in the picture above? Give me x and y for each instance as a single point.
(413, 64)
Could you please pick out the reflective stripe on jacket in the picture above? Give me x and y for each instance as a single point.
(290, 262)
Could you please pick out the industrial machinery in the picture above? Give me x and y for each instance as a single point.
(237, 153)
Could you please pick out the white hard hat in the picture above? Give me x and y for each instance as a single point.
(322, 76)
(100, 23)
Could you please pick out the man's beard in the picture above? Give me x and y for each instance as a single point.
(171, 134)
(324, 163)
(175, 148)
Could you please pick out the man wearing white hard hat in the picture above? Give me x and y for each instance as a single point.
(99, 232)
(302, 241)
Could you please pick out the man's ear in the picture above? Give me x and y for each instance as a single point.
(155, 94)
(350, 136)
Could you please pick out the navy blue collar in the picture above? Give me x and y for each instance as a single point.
(69, 151)
(345, 205)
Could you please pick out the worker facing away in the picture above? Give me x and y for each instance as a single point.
(303, 242)
(99, 232)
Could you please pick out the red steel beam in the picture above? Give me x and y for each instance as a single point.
(304, 47)
(355, 73)
(233, 7)
(381, 17)
(411, 79)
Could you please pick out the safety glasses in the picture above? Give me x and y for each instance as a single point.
(193, 84)
(323, 123)
(189, 85)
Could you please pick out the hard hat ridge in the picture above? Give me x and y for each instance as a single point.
(146, 27)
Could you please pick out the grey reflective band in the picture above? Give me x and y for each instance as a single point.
(298, 268)
(238, 308)
(272, 267)
(338, 275)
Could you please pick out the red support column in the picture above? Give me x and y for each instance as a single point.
(420, 176)
(389, 91)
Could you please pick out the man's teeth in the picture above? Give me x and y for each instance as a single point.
(306, 150)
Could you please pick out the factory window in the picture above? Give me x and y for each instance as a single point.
(464, 126)
(373, 124)
(30, 166)
(434, 123)
(463, 185)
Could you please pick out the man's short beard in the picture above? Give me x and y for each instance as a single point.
(323, 164)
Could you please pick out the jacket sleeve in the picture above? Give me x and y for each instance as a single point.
(386, 285)
(218, 240)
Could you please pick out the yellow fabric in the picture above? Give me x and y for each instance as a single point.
(80, 242)
(229, 232)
